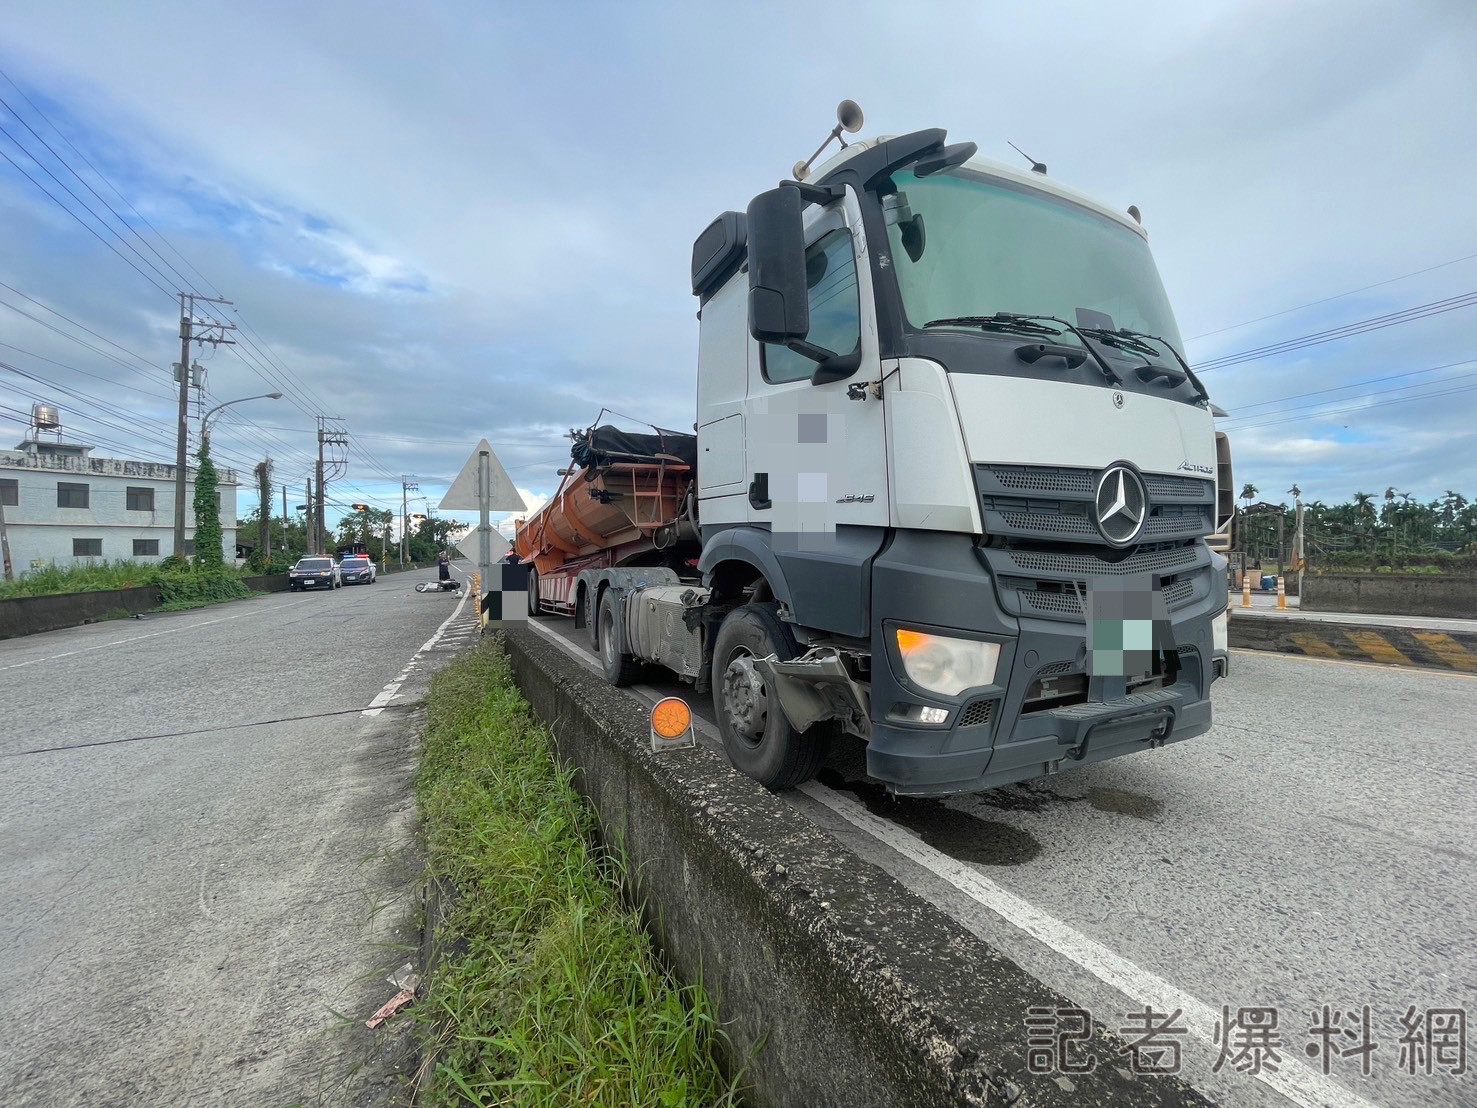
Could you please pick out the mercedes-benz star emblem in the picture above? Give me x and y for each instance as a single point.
(1117, 400)
(1121, 505)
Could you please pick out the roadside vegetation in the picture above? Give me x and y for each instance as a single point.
(181, 585)
(1395, 533)
(554, 994)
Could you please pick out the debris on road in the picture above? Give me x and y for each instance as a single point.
(407, 981)
(390, 1007)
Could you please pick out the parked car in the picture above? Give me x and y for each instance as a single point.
(314, 573)
(358, 569)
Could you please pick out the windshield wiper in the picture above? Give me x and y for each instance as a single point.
(1108, 371)
(1002, 322)
(1123, 340)
(1135, 341)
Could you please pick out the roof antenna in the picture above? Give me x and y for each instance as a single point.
(848, 118)
(1036, 167)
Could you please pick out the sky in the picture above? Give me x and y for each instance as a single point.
(446, 221)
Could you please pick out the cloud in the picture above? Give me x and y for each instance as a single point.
(473, 221)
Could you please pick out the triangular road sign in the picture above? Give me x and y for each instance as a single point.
(470, 545)
(502, 496)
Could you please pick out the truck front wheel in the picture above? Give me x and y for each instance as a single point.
(758, 739)
(533, 609)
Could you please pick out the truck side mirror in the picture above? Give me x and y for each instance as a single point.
(779, 311)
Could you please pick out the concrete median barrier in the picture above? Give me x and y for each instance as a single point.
(30, 615)
(1430, 647)
(845, 987)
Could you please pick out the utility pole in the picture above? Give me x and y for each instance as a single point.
(187, 335)
(1297, 546)
(308, 520)
(284, 519)
(326, 437)
(264, 486)
(405, 486)
(5, 542)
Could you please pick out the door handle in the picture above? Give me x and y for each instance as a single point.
(759, 492)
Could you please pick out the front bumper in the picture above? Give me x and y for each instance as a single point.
(1039, 744)
(937, 582)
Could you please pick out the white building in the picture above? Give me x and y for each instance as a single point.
(62, 505)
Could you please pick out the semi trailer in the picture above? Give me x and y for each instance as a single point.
(949, 488)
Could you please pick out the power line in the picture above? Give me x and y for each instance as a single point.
(290, 385)
(73, 338)
(1236, 415)
(1362, 408)
(104, 178)
(183, 279)
(1328, 299)
(59, 203)
(81, 327)
(83, 372)
(1359, 327)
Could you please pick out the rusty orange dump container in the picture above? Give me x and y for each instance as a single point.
(624, 489)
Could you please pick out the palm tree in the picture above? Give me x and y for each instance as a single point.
(1451, 506)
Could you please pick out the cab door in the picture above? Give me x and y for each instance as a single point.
(816, 454)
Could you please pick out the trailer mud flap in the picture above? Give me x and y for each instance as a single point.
(817, 687)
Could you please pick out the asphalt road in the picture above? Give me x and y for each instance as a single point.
(1318, 847)
(207, 846)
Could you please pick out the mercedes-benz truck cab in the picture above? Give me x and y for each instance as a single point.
(942, 408)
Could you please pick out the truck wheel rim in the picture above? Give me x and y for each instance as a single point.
(607, 637)
(745, 700)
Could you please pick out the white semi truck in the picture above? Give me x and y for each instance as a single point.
(947, 460)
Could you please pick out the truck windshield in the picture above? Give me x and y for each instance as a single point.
(967, 244)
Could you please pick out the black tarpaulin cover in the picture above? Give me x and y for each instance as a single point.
(604, 445)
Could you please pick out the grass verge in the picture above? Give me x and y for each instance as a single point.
(198, 588)
(52, 579)
(557, 996)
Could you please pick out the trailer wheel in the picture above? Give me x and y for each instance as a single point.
(758, 739)
(533, 609)
(592, 619)
(620, 669)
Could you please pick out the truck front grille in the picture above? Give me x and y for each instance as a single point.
(1090, 565)
(1052, 600)
(1054, 503)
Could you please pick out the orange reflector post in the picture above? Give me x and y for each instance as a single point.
(671, 724)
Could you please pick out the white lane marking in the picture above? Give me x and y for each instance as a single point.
(392, 690)
(140, 638)
(565, 645)
(1295, 1081)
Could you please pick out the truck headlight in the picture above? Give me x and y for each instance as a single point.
(1220, 633)
(946, 665)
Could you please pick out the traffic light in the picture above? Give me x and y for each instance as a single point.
(360, 507)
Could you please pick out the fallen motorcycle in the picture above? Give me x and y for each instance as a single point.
(439, 586)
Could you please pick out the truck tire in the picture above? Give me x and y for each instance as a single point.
(759, 740)
(532, 593)
(592, 619)
(620, 669)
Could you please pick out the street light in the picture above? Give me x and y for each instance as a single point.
(205, 420)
